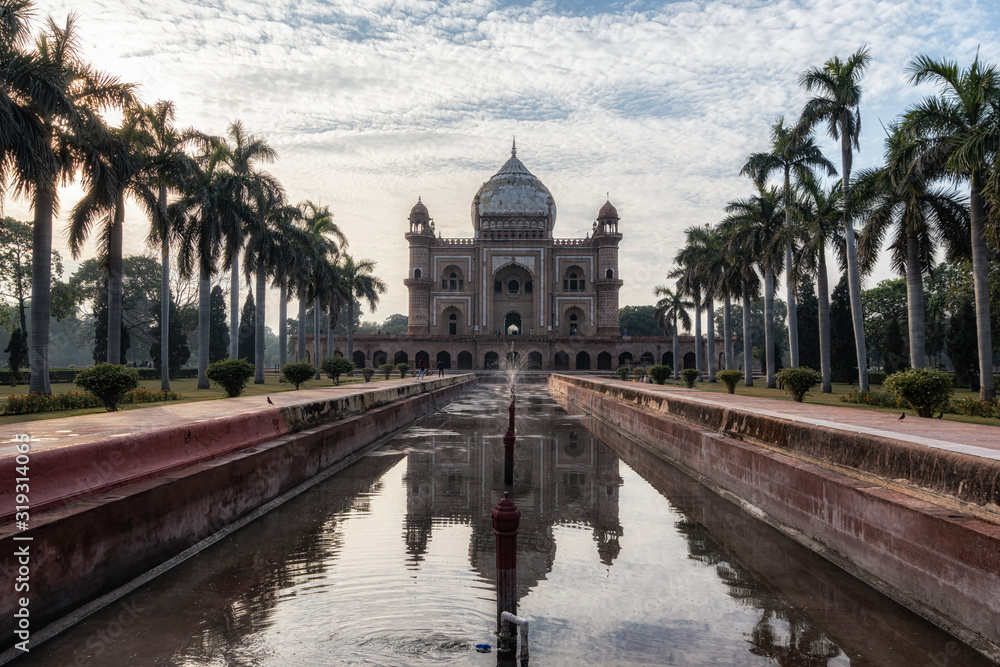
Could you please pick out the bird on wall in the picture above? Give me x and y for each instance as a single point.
(269, 401)
(901, 417)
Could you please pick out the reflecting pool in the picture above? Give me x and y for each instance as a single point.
(622, 560)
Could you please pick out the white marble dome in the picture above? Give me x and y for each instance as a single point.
(514, 193)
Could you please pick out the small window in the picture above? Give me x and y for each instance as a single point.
(416, 273)
(528, 286)
(497, 286)
(572, 318)
(609, 274)
(454, 317)
(513, 287)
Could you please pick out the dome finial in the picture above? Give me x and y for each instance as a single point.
(513, 148)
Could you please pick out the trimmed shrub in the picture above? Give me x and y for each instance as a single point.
(77, 400)
(368, 372)
(402, 368)
(924, 389)
(640, 372)
(873, 397)
(109, 383)
(386, 370)
(659, 373)
(730, 379)
(230, 374)
(623, 372)
(798, 381)
(298, 372)
(973, 407)
(336, 366)
(690, 376)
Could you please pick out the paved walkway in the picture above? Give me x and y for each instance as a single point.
(974, 439)
(68, 431)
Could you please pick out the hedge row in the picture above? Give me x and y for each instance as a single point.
(76, 400)
(57, 375)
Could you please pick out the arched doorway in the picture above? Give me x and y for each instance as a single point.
(422, 357)
(359, 358)
(604, 361)
(379, 358)
(561, 361)
(492, 360)
(400, 358)
(535, 360)
(689, 361)
(465, 361)
(647, 359)
(582, 361)
(512, 324)
(445, 357)
(625, 359)
(668, 359)
(512, 359)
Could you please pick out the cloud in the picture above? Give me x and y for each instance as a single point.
(371, 103)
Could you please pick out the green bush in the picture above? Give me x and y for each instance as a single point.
(230, 374)
(76, 400)
(873, 397)
(690, 376)
(109, 383)
(402, 368)
(730, 379)
(298, 372)
(659, 373)
(368, 372)
(924, 389)
(639, 372)
(973, 407)
(623, 372)
(876, 377)
(386, 370)
(336, 366)
(798, 381)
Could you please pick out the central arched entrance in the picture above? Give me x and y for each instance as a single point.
(512, 324)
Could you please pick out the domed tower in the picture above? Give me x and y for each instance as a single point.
(607, 281)
(513, 204)
(419, 279)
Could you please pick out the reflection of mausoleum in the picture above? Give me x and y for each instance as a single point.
(563, 478)
(514, 284)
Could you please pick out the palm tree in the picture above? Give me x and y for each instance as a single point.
(242, 153)
(904, 204)
(693, 281)
(672, 309)
(326, 241)
(755, 227)
(821, 214)
(52, 99)
(213, 212)
(791, 152)
(837, 104)
(362, 283)
(958, 129)
(292, 263)
(717, 270)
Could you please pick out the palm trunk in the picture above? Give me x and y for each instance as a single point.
(41, 297)
(329, 330)
(727, 331)
(115, 283)
(258, 334)
(710, 324)
(350, 327)
(316, 311)
(234, 308)
(698, 361)
(853, 273)
(915, 303)
(980, 277)
(300, 344)
(283, 324)
(204, 322)
(793, 322)
(677, 362)
(769, 327)
(823, 293)
(747, 342)
(164, 298)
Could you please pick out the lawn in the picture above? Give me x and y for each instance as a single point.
(186, 387)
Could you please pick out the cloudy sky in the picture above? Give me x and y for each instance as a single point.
(373, 103)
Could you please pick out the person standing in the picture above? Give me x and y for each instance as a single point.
(440, 368)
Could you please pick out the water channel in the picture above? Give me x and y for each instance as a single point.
(622, 560)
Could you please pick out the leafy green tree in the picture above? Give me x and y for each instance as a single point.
(395, 325)
(247, 329)
(959, 129)
(638, 321)
(962, 348)
(838, 105)
(179, 353)
(882, 303)
(219, 340)
(101, 333)
(893, 348)
(842, 334)
(17, 355)
(807, 314)
(15, 267)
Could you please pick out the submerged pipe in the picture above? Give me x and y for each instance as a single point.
(506, 520)
(522, 631)
(508, 446)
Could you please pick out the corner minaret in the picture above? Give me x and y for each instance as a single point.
(607, 281)
(419, 278)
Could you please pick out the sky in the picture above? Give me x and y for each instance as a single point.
(373, 103)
